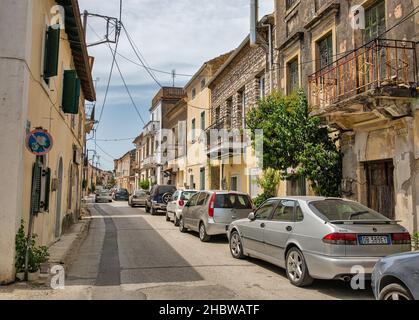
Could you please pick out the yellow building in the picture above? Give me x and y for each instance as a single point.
(45, 77)
(197, 175)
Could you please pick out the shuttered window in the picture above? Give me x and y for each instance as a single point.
(71, 92)
(51, 53)
(375, 21)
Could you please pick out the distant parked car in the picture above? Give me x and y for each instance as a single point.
(121, 195)
(160, 196)
(103, 196)
(396, 277)
(316, 237)
(138, 198)
(175, 207)
(211, 212)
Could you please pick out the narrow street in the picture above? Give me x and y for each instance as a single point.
(130, 254)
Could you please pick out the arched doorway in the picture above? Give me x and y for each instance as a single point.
(58, 199)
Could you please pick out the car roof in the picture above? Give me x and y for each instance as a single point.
(308, 198)
(226, 192)
(187, 190)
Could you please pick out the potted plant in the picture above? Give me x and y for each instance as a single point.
(36, 255)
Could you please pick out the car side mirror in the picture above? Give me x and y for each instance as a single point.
(187, 204)
(251, 216)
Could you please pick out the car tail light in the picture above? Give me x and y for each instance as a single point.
(211, 205)
(341, 238)
(401, 238)
(181, 203)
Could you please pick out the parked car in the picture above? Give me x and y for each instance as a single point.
(121, 194)
(317, 237)
(103, 196)
(160, 196)
(138, 198)
(175, 207)
(396, 277)
(211, 212)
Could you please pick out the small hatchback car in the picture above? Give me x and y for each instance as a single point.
(317, 238)
(211, 212)
(175, 207)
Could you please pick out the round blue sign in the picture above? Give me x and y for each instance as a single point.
(39, 142)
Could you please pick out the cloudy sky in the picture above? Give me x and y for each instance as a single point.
(170, 34)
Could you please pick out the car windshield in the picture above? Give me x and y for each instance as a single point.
(140, 193)
(186, 195)
(336, 209)
(164, 189)
(123, 191)
(105, 192)
(232, 201)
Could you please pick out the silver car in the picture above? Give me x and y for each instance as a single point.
(138, 198)
(211, 212)
(174, 208)
(103, 195)
(317, 237)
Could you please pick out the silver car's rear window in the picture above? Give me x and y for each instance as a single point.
(186, 195)
(232, 201)
(335, 209)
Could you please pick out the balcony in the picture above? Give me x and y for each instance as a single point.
(380, 68)
(151, 128)
(150, 161)
(222, 140)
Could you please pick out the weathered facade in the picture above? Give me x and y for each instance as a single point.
(198, 119)
(363, 82)
(125, 171)
(163, 102)
(244, 78)
(36, 61)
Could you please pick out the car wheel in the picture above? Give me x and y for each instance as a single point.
(296, 267)
(167, 216)
(176, 221)
(236, 246)
(147, 209)
(153, 211)
(182, 226)
(394, 291)
(203, 236)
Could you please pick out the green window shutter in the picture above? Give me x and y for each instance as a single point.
(71, 92)
(36, 188)
(47, 188)
(52, 48)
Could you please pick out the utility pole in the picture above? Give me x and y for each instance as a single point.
(173, 76)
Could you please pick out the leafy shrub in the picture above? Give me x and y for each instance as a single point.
(145, 184)
(269, 183)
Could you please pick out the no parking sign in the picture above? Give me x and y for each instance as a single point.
(39, 142)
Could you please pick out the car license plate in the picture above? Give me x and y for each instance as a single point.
(371, 240)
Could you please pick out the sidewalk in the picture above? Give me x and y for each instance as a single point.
(60, 254)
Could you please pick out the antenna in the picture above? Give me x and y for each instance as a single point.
(254, 17)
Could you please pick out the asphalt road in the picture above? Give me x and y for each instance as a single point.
(129, 254)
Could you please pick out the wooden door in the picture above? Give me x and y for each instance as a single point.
(380, 187)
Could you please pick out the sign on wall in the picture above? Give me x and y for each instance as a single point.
(39, 142)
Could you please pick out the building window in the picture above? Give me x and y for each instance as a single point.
(229, 111)
(293, 81)
(193, 130)
(191, 182)
(262, 87)
(203, 120)
(325, 51)
(244, 104)
(193, 93)
(375, 21)
(203, 83)
(234, 183)
(289, 3)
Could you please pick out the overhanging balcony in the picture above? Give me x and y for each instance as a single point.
(150, 162)
(380, 68)
(151, 128)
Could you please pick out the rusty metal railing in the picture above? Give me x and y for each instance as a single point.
(380, 63)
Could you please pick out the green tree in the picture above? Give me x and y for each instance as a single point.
(269, 183)
(145, 184)
(294, 139)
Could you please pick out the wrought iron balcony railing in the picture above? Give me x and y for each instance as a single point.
(151, 128)
(380, 63)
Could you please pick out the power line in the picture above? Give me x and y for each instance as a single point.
(139, 58)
